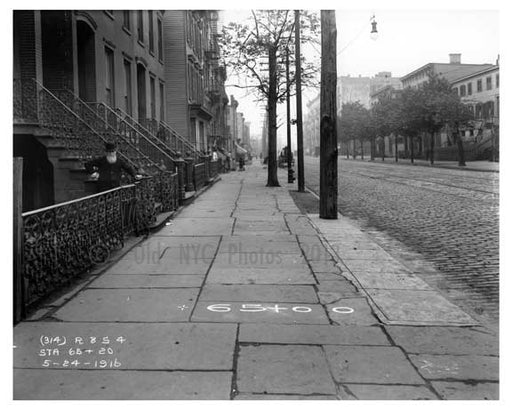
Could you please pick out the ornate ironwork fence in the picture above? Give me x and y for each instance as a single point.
(65, 240)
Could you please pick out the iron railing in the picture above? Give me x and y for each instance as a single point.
(148, 157)
(65, 240)
(125, 124)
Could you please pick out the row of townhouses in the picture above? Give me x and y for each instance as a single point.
(477, 84)
(151, 80)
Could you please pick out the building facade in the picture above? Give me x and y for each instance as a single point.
(450, 71)
(109, 57)
(196, 99)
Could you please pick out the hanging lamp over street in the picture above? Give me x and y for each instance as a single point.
(374, 34)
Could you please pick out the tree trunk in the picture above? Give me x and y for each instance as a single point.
(460, 149)
(354, 149)
(432, 145)
(396, 148)
(328, 134)
(412, 149)
(362, 149)
(348, 150)
(272, 126)
(372, 149)
(384, 148)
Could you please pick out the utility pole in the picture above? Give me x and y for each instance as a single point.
(272, 180)
(288, 120)
(298, 85)
(328, 134)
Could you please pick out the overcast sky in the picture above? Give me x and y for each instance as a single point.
(407, 40)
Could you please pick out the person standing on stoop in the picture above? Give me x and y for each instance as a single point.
(107, 170)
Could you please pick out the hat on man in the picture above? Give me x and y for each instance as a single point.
(110, 146)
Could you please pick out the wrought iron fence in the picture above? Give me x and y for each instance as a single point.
(65, 240)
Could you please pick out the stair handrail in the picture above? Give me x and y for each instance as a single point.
(127, 123)
(180, 137)
(124, 116)
(75, 115)
(95, 113)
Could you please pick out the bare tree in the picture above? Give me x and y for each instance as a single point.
(256, 50)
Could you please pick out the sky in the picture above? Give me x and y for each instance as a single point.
(407, 39)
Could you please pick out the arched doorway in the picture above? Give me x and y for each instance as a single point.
(86, 52)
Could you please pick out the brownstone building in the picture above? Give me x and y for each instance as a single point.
(69, 66)
(196, 99)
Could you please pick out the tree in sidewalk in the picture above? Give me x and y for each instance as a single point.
(440, 107)
(458, 116)
(385, 119)
(268, 35)
(352, 124)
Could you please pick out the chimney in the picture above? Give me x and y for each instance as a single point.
(454, 58)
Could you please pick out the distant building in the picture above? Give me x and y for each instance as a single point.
(312, 127)
(359, 89)
(450, 71)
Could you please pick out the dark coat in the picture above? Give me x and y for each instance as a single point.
(110, 174)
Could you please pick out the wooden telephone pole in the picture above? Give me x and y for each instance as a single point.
(288, 120)
(298, 85)
(328, 134)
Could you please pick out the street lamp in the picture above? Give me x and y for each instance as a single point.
(374, 34)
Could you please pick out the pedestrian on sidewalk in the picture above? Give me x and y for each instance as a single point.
(240, 154)
(108, 169)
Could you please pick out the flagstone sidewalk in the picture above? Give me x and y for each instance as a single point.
(242, 297)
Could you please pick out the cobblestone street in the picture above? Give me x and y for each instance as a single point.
(447, 216)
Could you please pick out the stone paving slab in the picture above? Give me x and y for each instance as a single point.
(371, 364)
(418, 307)
(391, 281)
(128, 305)
(259, 293)
(387, 266)
(188, 252)
(329, 277)
(259, 259)
(453, 367)
(197, 227)
(364, 254)
(324, 266)
(283, 369)
(264, 312)
(161, 267)
(154, 346)
(467, 391)
(254, 244)
(173, 241)
(248, 225)
(342, 246)
(259, 276)
(354, 311)
(393, 392)
(147, 281)
(207, 212)
(340, 287)
(116, 385)
(312, 334)
(444, 340)
(247, 396)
